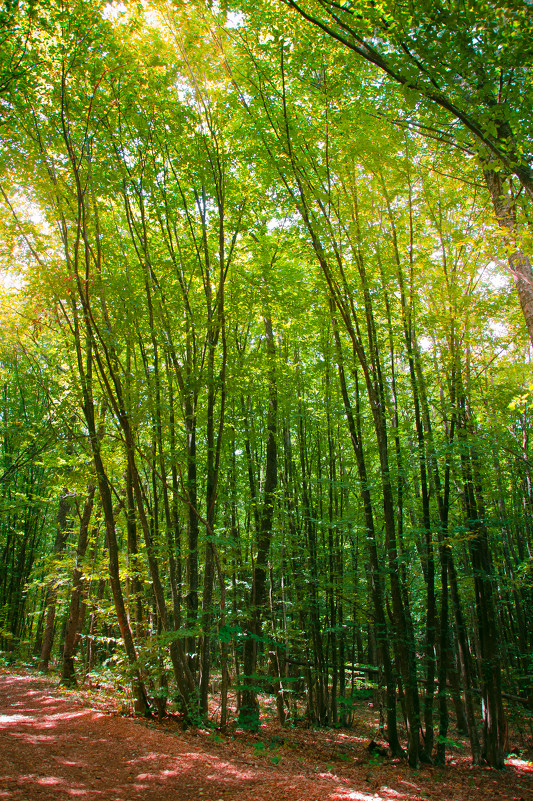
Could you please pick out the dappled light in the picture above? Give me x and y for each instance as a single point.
(88, 754)
(266, 400)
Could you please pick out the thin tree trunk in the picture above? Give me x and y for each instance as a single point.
(465, 659)
(494, 722)
(68, 673)
(249, 711)
(65, 503)
(376, 572)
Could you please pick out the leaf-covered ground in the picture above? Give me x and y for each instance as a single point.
(59, 745)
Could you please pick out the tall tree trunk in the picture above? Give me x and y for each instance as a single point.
(249, 711)
(494, 722)
(465, 659)
(182, 674)
(85, 360)
(519, 264)
(134, 587)
(214, 444)
(65, 504)
(68, 674)
(192, 531)
(376, 571)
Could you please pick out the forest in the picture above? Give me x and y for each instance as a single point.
(266, 358)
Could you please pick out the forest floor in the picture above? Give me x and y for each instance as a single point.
(63, 745)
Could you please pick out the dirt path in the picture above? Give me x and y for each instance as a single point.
(53, 748)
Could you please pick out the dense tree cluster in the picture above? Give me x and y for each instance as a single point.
(265, 379)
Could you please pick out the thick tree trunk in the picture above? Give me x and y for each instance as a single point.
(519, 263)
(249, 711)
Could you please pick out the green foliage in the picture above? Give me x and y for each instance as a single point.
(171, 182)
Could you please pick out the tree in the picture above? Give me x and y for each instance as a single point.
(473, 62)
(275, 344)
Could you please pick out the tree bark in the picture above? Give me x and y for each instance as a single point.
(376, 571)
(519, 263)
(65, 503)
(494, 721)
(249, 711)
(68, 674)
